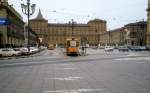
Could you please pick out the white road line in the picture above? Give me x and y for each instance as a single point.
(74, 91)
(66, 78)
(135, 58)
(65, 68)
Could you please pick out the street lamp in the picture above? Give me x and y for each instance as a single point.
(28, 10)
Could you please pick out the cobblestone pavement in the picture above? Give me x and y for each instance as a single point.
(105, 74)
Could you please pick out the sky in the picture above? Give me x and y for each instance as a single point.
(117, 13)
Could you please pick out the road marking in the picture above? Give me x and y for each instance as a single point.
(140, 62)
(66, 68)
(134, 58)
(64, 65)
(67, 78)
(74, 91)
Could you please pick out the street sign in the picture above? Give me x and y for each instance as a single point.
(4, 21)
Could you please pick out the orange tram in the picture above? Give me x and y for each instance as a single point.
(72, 46)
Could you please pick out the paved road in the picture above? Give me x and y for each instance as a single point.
(98, 72)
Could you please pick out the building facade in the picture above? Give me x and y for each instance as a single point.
(137, 33)
(133, 34)
(56, 33)
(148, 24)
(114, 37)
(12, 34)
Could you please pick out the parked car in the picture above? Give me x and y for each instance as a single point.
(34, 50)
(8, 52)
(101, 47)
(143, 48)
(123, 48)
(94, 47)
(109, 48)
(147, 48)
(138, 48)
(0, 52)
(24, 51)
(18, 51)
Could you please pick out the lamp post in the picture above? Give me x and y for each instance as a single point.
(26, 10)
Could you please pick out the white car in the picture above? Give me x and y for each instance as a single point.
(8, 52)
(109, 48)
(34, 50)
(24, 51)
(18, 51)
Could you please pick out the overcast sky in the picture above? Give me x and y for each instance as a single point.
(117, 13)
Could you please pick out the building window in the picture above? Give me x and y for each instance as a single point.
(133, 34)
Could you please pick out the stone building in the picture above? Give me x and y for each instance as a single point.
(114, 37)
(137, 33)
(148, 24)
(12, 33)
(56, 33)
(132, 34)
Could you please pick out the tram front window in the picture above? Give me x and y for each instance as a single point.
(73, 43)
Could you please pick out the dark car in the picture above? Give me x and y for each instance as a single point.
(123, 48)
(137, 48)
(147, 48)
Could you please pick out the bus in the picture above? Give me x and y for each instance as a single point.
(72, 46)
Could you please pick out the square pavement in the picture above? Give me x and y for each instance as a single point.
(98, 76)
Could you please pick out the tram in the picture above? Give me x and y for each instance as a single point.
(72, 46)
(50, 47)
